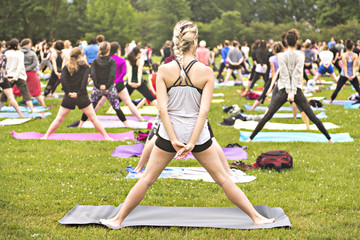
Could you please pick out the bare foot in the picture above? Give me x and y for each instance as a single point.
(331, 141)
(44, 137)
(263, 220)
(248, 140)
(330, 102)
(111, 223)
(109, 139)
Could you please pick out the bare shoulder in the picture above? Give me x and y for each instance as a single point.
(204, 73)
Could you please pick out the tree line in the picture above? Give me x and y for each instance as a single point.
(152, 21)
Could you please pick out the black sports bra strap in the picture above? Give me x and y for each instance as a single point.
(188, 67)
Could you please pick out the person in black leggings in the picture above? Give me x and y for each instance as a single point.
(135, 65)
(291, 64)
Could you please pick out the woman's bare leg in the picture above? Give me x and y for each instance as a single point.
(306, 120)
(240, 75)
(228, 74)
(256, 103)
(222, 157)
(90, 113)
(210, 161)
(295, 110)
(159, 159)
(58, 120)
(41, 101)
(100, 103)
(125, 97)
(154, 102)
(141, 103)
(9, 93)
(145, 155)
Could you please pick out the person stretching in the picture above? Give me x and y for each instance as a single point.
(103, 72)
(291, 64)
(183, 107)
(326, 58)
(6, 86)
(74, 78)
(349, 70)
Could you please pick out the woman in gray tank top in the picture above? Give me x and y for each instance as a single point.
(184, 103)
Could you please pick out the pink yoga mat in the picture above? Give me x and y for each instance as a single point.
(125, 151)
(111, 117)
(75, 136)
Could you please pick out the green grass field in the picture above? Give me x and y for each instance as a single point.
(42, 180)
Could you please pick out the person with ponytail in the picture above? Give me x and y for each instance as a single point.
(74, 77)
(115, 53)
(134, 66)
(291, 67)
(349, 70)
(184, 90)
(103, 72)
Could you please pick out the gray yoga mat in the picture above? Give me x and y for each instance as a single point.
(213, 217)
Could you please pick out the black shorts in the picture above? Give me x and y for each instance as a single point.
(5, 84)
(166, 145)
(120, 86)
(234, 67)
(70, 103)
(308, 67)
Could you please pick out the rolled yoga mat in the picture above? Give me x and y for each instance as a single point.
(284, 109)
(294, 137)
(22, 109)
(251, 125)
(26, 114)
(289, 115)
(211, 217)
(75, 136)
(14, 121)
(126, 151)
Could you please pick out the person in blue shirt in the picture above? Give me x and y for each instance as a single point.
(91, 51)
(224, 53)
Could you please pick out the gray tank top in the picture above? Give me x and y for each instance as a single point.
(183, 101)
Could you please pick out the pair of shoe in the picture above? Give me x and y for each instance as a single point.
(231, 109)
(236, 145)
(240, 165)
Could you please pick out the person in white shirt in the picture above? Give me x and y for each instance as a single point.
(326, 58)
(16, 73)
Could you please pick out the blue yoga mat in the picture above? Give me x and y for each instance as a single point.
(282, 109)
(23, 109)
(320, 115)
(294, 137)
(351, 106)
(26, 114)
(338, 102)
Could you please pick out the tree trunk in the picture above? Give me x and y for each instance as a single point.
(56, 4)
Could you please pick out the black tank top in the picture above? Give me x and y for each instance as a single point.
(59, 61)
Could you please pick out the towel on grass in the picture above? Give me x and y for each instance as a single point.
(289, 115)
(22, 109)
(211, 217)
(125, 151)
(284, 109)
(191, 173)
(294, 137)
(251, 125)
(147, 110)
(14, 121)
(75, 136)
(26, 114)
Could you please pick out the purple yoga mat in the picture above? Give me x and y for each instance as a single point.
(110, 117)
(75, 136)
(125, 151)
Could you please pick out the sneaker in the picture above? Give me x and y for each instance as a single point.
(227, 109)
(240, 165)
(235, 109)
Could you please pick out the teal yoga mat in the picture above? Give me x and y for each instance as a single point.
(294, 137)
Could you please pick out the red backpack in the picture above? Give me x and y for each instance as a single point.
(275, 159)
